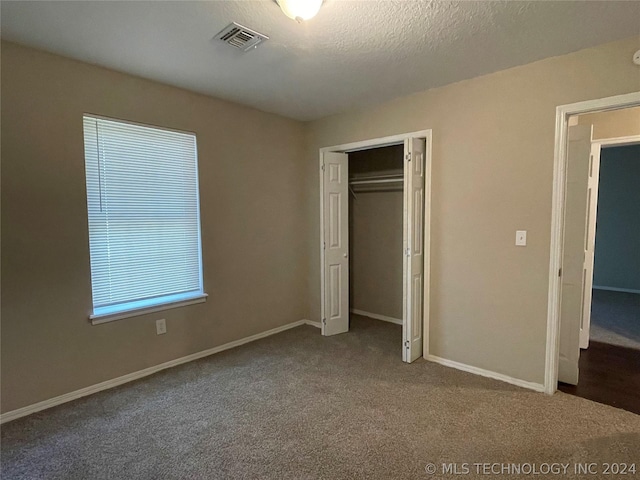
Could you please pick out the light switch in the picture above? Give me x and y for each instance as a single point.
(521, 238)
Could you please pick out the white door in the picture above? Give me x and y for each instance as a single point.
(589, 250)
(573, 256)
(336, 243)
(414, 195)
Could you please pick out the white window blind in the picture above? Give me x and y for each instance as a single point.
(144, 218)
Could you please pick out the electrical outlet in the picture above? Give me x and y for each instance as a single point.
(161, 326)
(521, 238)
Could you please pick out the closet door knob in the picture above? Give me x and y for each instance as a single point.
(346, 255)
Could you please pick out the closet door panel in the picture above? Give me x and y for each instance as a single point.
(414, 248)
(336, 244)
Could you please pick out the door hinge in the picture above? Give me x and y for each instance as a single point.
(560, 272)
(324, 321)
(322, 167)
(408, 157)
(408, 252)
(406, 344)
(324, 245)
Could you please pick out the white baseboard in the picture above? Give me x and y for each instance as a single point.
(615, 289)
(538, 387)
(312, 323)
(83, 392)
(384, 318)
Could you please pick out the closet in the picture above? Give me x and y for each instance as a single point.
(376, 182)
(374, 250)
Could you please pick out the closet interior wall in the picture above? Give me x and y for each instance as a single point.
(375, 231)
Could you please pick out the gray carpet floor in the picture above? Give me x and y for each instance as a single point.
(615, 318)
(301, 406)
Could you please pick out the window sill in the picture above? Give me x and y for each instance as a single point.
(98, 319)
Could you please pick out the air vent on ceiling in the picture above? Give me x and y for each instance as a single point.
(241, 37)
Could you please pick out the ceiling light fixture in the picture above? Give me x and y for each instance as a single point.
(300, 10)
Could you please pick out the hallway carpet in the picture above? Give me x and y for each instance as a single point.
(301, 406)
(615, 318)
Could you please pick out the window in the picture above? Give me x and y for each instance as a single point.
(144, 218)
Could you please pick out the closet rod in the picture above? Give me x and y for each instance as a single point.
(373, 181)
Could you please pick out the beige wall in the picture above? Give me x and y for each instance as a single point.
(252, 215)
(493, 139)
(492, 174)
(375, 235)
(616, 123)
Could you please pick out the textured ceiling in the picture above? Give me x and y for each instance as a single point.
(353, 54)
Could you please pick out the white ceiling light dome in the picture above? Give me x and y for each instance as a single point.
(300, 10)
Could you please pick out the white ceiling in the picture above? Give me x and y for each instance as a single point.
(353, 54)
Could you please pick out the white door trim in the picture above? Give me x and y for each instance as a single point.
(376, 143)
(617, 141)
(557, 220)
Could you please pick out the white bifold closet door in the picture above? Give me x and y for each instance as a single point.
(414, 274)
(336, 243)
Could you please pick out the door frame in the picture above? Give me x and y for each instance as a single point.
(563, 112)
(378, 143)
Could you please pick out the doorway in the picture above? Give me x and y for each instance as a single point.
(609, 347)
(615, 307)
(413, 174)
(579, 257)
